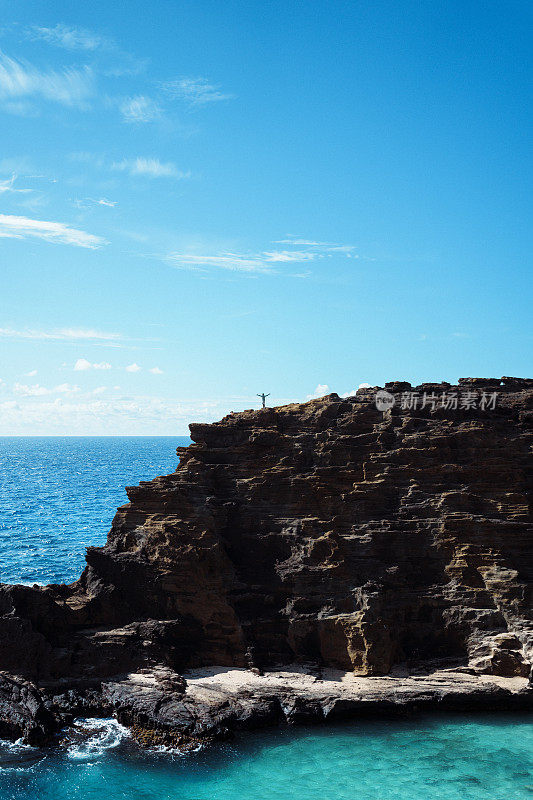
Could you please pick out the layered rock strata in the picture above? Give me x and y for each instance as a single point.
(329, 535)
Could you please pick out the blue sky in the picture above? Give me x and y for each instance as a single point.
(202, 201)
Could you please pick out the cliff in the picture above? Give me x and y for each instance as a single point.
(328, 535)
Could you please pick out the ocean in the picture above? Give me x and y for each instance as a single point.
(428, 758)
(59, 495)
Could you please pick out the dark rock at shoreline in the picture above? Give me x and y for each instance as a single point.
(326, 534)
(23, 712)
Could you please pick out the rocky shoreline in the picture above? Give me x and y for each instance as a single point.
(384, 557)
(219, 701)
(212, 704)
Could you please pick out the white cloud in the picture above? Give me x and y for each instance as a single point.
(320, 247)
(264, 262)
(20, 227)
(30, 391)
(196, 91)
(99, 390)
(231, 261)
(290, 255)
(36, 390)
(133, 368)
(114, 62)
(8, 186)
(301, 274)
(139, 109)
(31, 374)
(20, 108)
(60, 335)
(90, 201)
(151, 168)
(69, 37)
(82, 364)
(67, 388)
(71, 87)
(320, 391)
(156, 371)
(88, 333)
(85, 157)
(353, 392)
(97, 414)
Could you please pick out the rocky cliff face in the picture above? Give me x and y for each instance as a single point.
(328, 534)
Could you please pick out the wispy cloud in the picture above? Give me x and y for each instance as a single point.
(156, 371)
(290, 255)
(60, 335)
(84, 157)
(8, 185)
(86, 202)
(266, 262)
(114, 62)
(14, 227)
(320, 247)
(139, 109)
(144, 166)
(69, 37)
(151, 168)
(19, 79)
(196, 91)
(235, 262)
(82, 365)
(133, 368)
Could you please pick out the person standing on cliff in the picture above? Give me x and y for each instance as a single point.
(263, 397)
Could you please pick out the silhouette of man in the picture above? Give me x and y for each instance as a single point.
(263, 397)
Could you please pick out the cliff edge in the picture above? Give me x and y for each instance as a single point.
(385, 555)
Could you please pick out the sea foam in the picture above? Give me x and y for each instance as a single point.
(92, 737)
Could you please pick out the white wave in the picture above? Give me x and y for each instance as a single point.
(17, 756)
(31, 583)
(175, 751)
(14, 747)
(94, 737)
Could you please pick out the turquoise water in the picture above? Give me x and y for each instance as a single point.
(59, 495)
(487, 758)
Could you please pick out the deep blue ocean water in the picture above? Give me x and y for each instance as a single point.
(58, 495)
